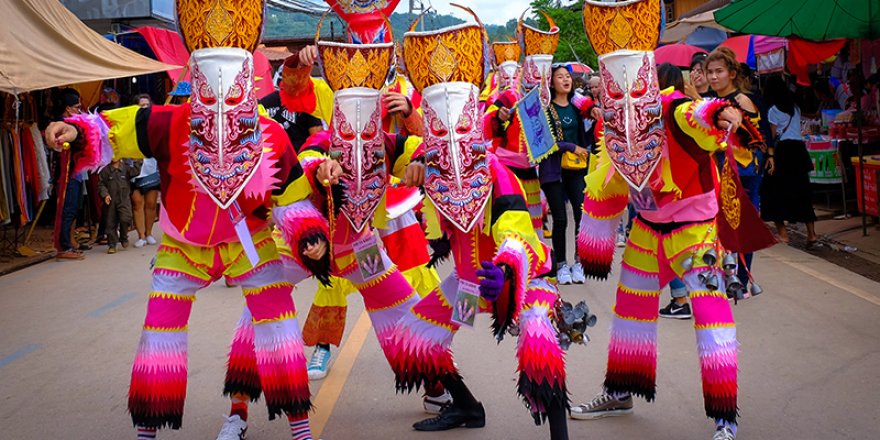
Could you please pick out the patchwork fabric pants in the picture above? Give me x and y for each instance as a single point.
(654, 255)
(422, 345)
(159, 374)
(387, 298)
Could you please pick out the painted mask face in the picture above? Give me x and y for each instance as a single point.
(457, 175)
(634, 134)
(536, 73)
(358, 145)
(507, 74)
(225, 140)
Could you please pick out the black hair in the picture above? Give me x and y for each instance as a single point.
(777, 93)
(66, 97)
(699, 58)
(670, 76)
(552, 90)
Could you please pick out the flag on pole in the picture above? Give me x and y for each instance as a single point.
(535, 126)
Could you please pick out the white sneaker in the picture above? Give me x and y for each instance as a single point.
(563, 275)
(723, 433)
(433, 405)
(233, 429)
(319, 364)
(150, 240)
(140, 243)
(621, 239)
(577, 274)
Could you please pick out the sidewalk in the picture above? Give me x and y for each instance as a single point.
(842, 242)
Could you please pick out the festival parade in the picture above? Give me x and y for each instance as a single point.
(520, 219)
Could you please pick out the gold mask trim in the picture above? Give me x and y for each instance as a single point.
(633, 25)
(220, 23)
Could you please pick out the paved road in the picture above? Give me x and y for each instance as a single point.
(809, 360)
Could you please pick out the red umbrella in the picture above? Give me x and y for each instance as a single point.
(741, 46)
(579, 68)
(678, 54)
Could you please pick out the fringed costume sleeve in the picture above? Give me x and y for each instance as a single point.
(698, 119)
(92, 148)
(518, 246)
(604, 201)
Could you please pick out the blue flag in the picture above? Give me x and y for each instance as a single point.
(535, 127)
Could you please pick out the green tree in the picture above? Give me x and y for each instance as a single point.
(573, 43)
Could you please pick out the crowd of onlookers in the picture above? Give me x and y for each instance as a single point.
(103, 208)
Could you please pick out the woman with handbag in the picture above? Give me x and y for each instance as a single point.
(145, 193)
(562, 173)
(785, 192)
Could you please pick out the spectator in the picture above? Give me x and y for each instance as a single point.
(67, 105)
(730, 83)
(115, 190)
(145, 192)
(785, 193)
(559, 184)
(698, 86)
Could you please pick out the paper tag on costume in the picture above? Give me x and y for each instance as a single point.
(467, 303)
(369, 258)
(244, 234)
(643, 200)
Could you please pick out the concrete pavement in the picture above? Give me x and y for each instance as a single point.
(810, 352)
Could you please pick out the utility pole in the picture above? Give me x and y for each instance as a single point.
(416, 7)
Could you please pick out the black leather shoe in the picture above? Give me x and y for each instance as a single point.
(453, 417)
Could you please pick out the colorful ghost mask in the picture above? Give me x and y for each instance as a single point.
(507, 66)
(624, 36)
(538, 47)
(225, 147)
(356, 73)
(447, 67)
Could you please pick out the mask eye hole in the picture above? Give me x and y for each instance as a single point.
(235, 96)
(613, 91)
(464, 126)
(206, 95)
(369, 132)
(345, 132)
(437, 128)
(640, 87)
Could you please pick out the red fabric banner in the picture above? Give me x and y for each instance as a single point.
(740, 228)
(168, 48)
(802, 53)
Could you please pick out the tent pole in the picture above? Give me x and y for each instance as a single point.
(180, 77)
(858, 95)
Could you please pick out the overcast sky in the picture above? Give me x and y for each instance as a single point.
(489, 11)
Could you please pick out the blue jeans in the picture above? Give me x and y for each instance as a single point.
(678, 288)
(68, 213)
(750, 184)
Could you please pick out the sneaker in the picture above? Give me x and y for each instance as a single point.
(675, 311)
(319, 364)
(603, 405)
(69, 254)
(563, 275)
(234, 428)
(453, 417)
(621, 239)
(435, 405)
(577, 274)
(140, 243)
(150, 240)
(125, 244)
(723, 433)
(111, 250)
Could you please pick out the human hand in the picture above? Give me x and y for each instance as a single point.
(504, 114)
(582, 152)
(414, 174)
(316, 251)
(329, 172)
(397, 103)
(691, 91)
(59, 133)
(730, 119)
(107, 200)
(596, 113)
(308, 56)
(770, 166)
(491, 280)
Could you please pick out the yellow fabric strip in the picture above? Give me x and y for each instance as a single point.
(123, 132)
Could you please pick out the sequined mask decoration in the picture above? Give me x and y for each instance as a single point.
(225, 140)
(357, 73)
(624, 35)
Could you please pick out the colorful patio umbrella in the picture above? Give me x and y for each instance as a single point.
(676, 54)
(743, 47)
(816, 20)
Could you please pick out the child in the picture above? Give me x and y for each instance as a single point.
(115, 189)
